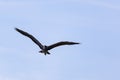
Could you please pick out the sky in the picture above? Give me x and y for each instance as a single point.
(93, 23)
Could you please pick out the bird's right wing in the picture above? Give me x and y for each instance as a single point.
(30, 36)
(61, 43)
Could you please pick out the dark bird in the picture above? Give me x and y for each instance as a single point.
(44, 48)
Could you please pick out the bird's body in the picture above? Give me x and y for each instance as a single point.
(44, 48)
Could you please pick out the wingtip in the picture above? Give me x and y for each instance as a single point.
(73, 42)
(77, 43)
(16, 28)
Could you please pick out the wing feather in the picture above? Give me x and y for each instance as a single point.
(61, 43)
(30, 36)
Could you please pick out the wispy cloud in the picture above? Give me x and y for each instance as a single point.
(92, 2)
(15, 3)
(6, 50)
(100, 3)
(103, 4)
(3, 77)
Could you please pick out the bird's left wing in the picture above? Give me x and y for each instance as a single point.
(30, 36)
(61, 43)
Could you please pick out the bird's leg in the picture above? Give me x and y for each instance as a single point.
(40, 51)
(48, 53)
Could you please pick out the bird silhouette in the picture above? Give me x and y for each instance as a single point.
(44, 48)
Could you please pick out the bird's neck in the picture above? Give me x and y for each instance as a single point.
(44, 47)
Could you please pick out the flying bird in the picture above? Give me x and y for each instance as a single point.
(44, 48)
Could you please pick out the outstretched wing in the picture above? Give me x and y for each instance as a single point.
(30, 36)
(61, 43)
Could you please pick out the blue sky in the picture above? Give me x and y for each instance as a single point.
(93, 23)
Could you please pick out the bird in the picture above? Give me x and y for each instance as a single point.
(44, 49)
